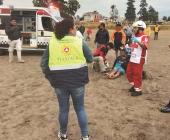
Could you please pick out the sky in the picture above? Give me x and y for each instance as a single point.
(103, 6)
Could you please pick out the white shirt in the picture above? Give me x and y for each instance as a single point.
(79, 35)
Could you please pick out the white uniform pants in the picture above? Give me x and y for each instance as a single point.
(14, 44)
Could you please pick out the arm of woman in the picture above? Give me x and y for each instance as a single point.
(87, 53)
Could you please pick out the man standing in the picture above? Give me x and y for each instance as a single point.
(102, 35)
(81, 28)
(14, 34)
(118, 38)
(156, 31)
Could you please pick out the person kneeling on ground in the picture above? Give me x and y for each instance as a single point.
(119, 66)
(166, 109)
(100, 56)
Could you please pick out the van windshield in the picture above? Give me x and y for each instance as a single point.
(48, 23)
(4, 20)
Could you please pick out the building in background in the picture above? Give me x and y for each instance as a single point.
(92, 16)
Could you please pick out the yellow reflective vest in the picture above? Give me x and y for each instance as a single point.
(66, 53)
(156, 29)
(148, 31)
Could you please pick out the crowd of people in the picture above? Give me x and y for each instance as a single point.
(68, 78)
(64, 62)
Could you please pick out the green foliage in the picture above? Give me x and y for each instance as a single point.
(112, 7)
(68, 7)
(40, 3)
(73, 6)
(169, 18)
(152, 14)
(114, 12)
(143, 13)
(165, 18)
(1, 2)
(130, 12)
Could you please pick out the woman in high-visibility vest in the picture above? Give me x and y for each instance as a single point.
(64, 64)
(139, 47)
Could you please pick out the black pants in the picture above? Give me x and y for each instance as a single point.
(128, 39)
(156, 36)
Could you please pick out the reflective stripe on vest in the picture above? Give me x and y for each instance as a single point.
(66, 53)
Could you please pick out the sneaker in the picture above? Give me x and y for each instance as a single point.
(136, 93)
(85, 138)
(132, 89)
(165, 109)
(62, 136)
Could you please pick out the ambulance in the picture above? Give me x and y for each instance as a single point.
(36, 26)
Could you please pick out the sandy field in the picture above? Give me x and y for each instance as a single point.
(29, 109)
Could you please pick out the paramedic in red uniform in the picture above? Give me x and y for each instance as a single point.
(138, 55)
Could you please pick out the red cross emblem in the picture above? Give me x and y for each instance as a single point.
(66, 50)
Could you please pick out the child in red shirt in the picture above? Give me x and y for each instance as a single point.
(88, 34)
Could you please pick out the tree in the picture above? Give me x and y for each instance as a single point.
(67, 7)
(165, 18)
(143, 13)
(114, 12)
(72, 7)
(40, 3)
(1, 2)
(130, 12)
(169, 18)
(152, 14)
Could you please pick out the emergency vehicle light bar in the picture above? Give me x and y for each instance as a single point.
(42, 12)
(5, 11)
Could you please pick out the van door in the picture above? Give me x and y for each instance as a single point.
(45, 29)
(4, 20)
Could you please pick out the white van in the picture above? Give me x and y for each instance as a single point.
(36, 26)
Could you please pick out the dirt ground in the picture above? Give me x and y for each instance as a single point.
(29, 109)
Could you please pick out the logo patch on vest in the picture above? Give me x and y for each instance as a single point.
(66, 49)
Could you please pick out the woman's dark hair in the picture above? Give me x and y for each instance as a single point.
(62, 28)
(12, 18)
(102, 24)
(142, 29)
